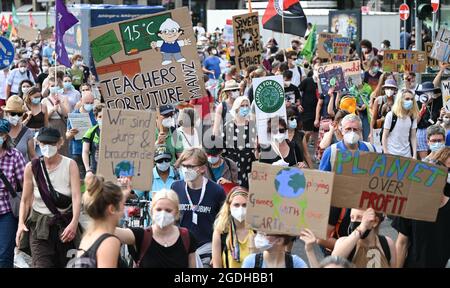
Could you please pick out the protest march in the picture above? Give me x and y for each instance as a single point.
(271, 141)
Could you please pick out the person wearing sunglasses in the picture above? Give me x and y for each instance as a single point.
(21, 135)
(164, 174)
(165, 131)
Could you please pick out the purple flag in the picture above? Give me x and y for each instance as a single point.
(64, 20)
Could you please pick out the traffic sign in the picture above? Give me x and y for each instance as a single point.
(435, 5)
(404, 12)
(6, 53)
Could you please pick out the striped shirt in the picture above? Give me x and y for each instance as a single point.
(12, 164)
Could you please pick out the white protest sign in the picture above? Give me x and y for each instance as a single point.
(81, 122)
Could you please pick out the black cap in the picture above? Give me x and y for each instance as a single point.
(166, 109)
(162, 153)
(213, 151)
(48, 135)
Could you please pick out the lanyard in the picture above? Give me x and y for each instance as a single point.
(195, 207)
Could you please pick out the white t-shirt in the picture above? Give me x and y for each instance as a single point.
(398, 140)
(296, 77)
(15, 77)
(200, 30)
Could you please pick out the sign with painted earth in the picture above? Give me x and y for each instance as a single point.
(269, 96)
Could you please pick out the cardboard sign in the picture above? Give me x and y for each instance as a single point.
(432, 63)
(352, 71)
(127, 144)
(46, 33)
(285, 200)
(270, 102)
(332, 78)
(27, 33)
(389, 184)
(445, 87)
(148, 61)
(404, 61)
(441, 48)
(341, 49)
(246, 40)
(325, 46)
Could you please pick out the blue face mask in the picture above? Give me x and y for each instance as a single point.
(36, 101)
(88, 107)
(243, 111)
(436, 146)
(54, 90)
(68, 85)
(293, 124)
(407, 104)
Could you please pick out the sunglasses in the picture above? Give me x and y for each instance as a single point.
(16, 114)
(162, 161)
(282, 130)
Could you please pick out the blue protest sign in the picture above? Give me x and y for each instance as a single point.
(6, 53)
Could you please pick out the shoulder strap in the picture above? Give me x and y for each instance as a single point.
(289, 260)
(228, 163)
(211, 173)
(92, 136)
(369, 146)
(258, 260)
(223, 243)
(8, 185)
(333, 155)
(43, 188)
(145, 244)
(352, 254)
(224, 110)
(394, 121)
(184, 233)
(94, 247)
(385, 247)
(19, 137)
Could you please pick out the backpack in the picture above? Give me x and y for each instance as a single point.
(288, 258)
(334, 151)
(384, 246)
(89, 257)
(394, 121)
(148, 237)
(227, 161)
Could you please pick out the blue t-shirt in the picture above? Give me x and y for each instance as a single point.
(218, 172)
(206, 213)
(325, 164)
(249, 262)
(447, 139)
(76, 146)
(170, 47)
(212, 63)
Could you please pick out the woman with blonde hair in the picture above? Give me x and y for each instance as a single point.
(232, 241)
(400, 124)
(162, 245)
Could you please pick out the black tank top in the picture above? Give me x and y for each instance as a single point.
(36, 121)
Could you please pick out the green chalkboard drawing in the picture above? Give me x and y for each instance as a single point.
(137, 35)
(170, 31)
(105, 46)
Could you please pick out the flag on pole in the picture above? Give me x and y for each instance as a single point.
(287, 13)
(64, 21)
(310, 45)
(16, 19)
(32, 23)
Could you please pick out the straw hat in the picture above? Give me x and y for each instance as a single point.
(14, 104)
(231, 85)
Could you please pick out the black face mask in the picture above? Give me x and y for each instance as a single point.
(354, 225)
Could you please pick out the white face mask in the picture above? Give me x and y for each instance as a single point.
(351, 138)
(280, 137)
(364, 50)
(238, 213)
(235, 94)
(48, 151)
(189, 174)
(168, 122)
(389, 92)
(164, 166)
(163, 219)
(13, 120)
(262, 243)
(22, 69)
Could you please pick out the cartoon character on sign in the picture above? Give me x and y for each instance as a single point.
(170, 46)
(291, 183)
(247, 39)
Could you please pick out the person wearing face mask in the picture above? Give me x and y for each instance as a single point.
(187, 135)
(163, 244)
(297, 135)
(368, 53)
(45, 65)
(232, 241)
(422, 244)
(436, 141)
(334, 135)
(104, 202)
(70, 93)
(91, 143)
(228, 94)
(273, 253)
(21, 136)
(36, 116)
(372, 74)
(165, 131)
(164, 174)
(400, 124)
(211, 65)
(240, 138)
(200, 199)
(76, 146)
(12, 168)
(79, 73)
(51, 204)
(24, 86)
(291, 92)
(363, 241)
(16, 76)
(221, 170)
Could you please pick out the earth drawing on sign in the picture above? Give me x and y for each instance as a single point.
(269, 96)
(124, 169)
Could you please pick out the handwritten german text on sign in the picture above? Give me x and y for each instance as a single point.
(341, 49)
(389, 184)
(404, 61)
(127, 145)
(148, 61)
(325, 46)
(352, 71)
(446, 94)
(286, 200)
(246, 40)
(441, 48)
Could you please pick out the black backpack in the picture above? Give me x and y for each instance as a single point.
(394, 121)
(89, 257)
(288, 258)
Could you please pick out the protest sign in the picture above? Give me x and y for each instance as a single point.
(6, 53)
(348, 23)
(81, 122)
(246, 40)
(228, 31)
(404, 61)
(352, 71)
(445, 87)
(284, 200)
(270, 103)
(148, 61)
(441, 47)
(46, 33)
(332, 78)
(325, 46)
(27, 33)
(389, 184)
(127, 144)
(432, 63)
(341, 49)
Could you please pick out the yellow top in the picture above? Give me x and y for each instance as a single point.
(244, 252)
